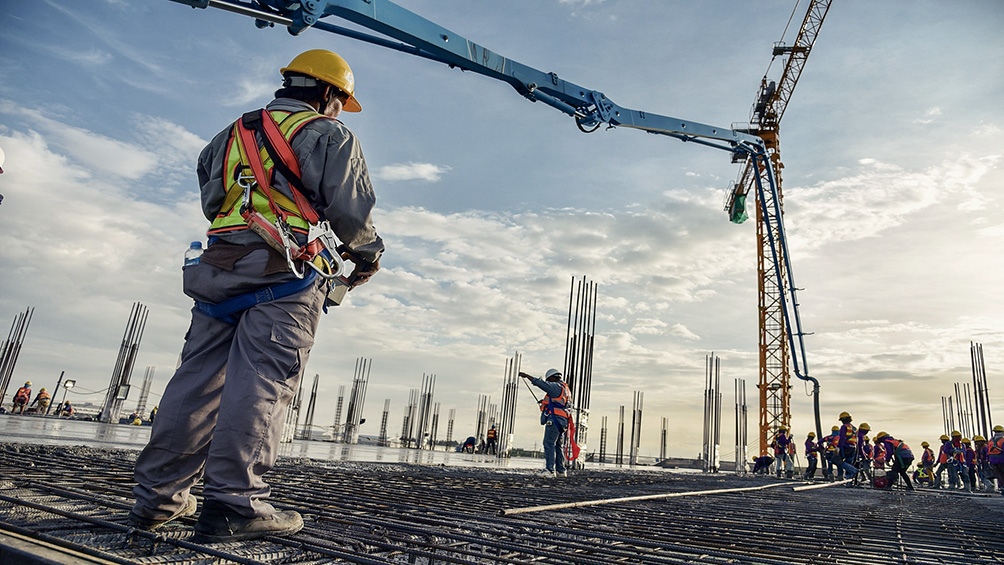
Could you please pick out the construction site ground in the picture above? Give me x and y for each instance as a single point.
(63, 504)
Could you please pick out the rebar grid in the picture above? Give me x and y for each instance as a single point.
(78, 498)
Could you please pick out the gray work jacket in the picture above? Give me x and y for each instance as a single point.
(333, 172)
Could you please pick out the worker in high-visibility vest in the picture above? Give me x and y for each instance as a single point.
(995, 456)
(554, 417)
(291, 176)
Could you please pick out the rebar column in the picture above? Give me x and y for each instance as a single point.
(507, 415)
(579, 340)
(12, 348)
(357, 398)
(636, 412)
(449, 427)
(308, 422)
(336, 428)
(620, 438)
(144, 393)
(118, 387)
(382, 442)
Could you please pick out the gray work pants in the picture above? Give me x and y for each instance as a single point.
(222, 415)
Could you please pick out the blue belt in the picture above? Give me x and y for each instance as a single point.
(224, 311)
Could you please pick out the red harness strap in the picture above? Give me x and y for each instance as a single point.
(284, 152)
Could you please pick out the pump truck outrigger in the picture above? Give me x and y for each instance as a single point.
(408, 32)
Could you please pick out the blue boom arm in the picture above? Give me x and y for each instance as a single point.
(413, 34)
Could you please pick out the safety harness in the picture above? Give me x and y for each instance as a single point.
(252, 183)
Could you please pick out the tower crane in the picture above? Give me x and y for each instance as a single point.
(772, 100)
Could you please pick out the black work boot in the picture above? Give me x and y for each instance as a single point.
(151, 524)
(218, 523)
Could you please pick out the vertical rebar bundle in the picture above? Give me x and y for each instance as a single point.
(603, 439)
(619, 458)
(579, 337)
(424, 416)
(742, 435)
(434, 429)
(144, 393)
(292, 417)
(636, 410)
(481, 424)
(357, 398)
(983, 415)
(12, 348)
(449, 427)
(382, 441)
(336, 429)
(507, 416)
(710, 452)
(663, 438)
(410, 414)
(118, 387)
(308, 422)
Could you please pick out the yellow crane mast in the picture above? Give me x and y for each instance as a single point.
(772, 99)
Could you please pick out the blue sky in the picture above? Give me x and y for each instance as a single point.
(491, 204)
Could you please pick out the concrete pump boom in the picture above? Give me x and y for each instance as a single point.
(408, 32)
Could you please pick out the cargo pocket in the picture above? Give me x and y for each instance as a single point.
(294, 343)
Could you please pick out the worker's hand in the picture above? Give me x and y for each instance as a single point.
(525, 375)
(363, 272)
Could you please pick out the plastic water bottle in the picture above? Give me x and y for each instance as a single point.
(193, 254)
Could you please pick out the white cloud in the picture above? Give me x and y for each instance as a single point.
(427, 172)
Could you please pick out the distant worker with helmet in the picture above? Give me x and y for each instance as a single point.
(830, 453)
(21, 398)
(901, 456)
(863, 455)
(782, 458)
(847, 441)
(927, 462)
(995, 456)
(812, 450)
(945, 455)
(42, 400)
(554, 416)
(278, 187)
(983, 473)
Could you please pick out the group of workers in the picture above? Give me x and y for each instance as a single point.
(848, 452)
(23, 402)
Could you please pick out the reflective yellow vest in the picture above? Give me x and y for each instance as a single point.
(229, 218)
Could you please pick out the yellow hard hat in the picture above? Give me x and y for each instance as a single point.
(782, 428)
(880, 435)
(925, 444)
(944, 437)
(812, 434)
(966, 441)
(866, 438)
(844, 416)
(329, 67)
(43, 389)
(864, 426)
(835, 429)
(956, 433)
(27, 383)
(979, 438)
(998, 428)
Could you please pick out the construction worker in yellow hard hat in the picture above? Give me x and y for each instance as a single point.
(995, 456)
(287, 192)
(927, 462)
(828, 444)
(983, 475)
(812, 450)
(782, 456)
(42, 400)
(21, 398)
(847, 442)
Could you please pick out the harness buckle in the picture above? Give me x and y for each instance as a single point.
(245, 179)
